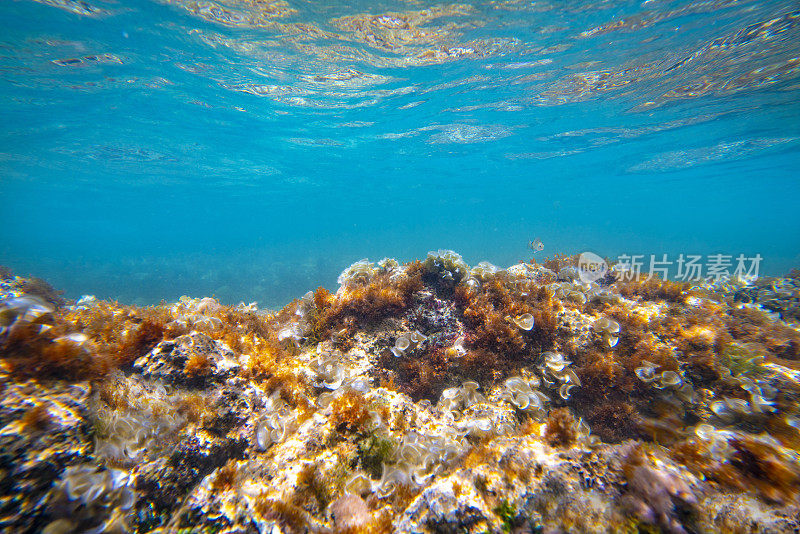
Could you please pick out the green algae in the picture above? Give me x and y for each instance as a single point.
(374, 451)
(507, 514)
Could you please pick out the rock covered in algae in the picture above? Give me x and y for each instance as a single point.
(425, 397)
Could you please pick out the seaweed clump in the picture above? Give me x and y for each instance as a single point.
(747, 324)
(134, 420)
(742, 461)
(364, 300)
(36, 341)
(39, 288)
(351, 412)
(656, 496)
(561, 429)
(490, 312)
(654, 288)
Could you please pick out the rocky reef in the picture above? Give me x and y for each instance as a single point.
(425, 397)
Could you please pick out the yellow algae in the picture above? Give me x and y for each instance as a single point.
(274, 417)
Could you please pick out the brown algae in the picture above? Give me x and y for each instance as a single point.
(423, 397)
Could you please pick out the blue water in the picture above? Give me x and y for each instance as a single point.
(251, 151)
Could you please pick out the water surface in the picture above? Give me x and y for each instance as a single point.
(252, 150)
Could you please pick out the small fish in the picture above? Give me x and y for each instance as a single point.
(536, 245)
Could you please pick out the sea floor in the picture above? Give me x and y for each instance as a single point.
(425, 397)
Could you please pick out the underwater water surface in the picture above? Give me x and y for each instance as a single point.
(252, 150)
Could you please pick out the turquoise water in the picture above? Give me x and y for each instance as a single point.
(251, 151)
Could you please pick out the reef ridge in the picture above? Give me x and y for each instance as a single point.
(429, 396)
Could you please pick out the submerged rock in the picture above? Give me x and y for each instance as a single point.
(427, 397)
